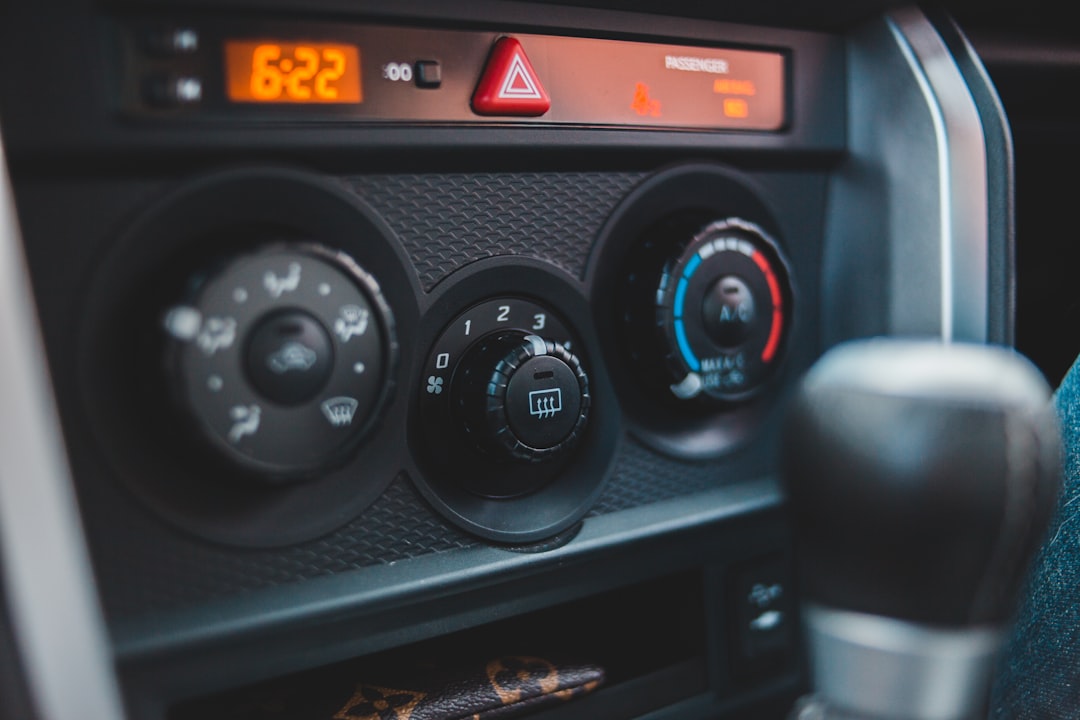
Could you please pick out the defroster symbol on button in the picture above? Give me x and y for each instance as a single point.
(545, 404)
(339, 411)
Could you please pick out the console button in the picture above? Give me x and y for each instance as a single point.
(289, 357)
(523, 397)
(173, 91)
(509, 85)
(760, 607)
(543, 402)
(728, 311)
(171, 41)
(428, 74)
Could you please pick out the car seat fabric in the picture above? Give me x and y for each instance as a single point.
(1039, 672)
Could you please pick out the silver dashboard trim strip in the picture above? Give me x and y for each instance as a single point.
(945, 220)
(962, 167)
(907, 236)
(57, 622)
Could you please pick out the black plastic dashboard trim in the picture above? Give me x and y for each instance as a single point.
(220, 645)
(384, 585)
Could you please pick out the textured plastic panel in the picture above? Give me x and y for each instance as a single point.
(175, 571)
(446, 221)
(642, 477)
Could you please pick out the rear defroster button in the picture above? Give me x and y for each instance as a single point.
(524, 396)
(543, 401)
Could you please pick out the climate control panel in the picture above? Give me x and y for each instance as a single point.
(281, 358)
(281, 354)
(723, 306)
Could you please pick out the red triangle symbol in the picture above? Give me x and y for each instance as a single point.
(509, 85)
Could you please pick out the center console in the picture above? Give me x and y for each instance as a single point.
(381, 329)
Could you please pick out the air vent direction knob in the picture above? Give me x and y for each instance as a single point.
(281, 359)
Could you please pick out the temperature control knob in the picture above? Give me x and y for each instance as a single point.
(522, 396)
(282, 358)
(724, 308)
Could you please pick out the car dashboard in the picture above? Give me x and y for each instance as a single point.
(353, 336)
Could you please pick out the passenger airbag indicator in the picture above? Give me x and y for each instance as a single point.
(614, 82)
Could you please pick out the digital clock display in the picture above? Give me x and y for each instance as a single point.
(269, 71)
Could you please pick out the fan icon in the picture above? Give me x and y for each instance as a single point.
(434, 385)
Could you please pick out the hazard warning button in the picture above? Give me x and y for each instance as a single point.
(509, 85)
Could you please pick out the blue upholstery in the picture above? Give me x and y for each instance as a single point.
(1040, 671)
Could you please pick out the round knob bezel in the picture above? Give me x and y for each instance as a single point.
(166, 466)
(450, 439)
(737, 242)
(641, 236)
(468, 487)
(288, 442)
(498, 426)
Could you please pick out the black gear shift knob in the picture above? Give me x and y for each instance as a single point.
(921, 479)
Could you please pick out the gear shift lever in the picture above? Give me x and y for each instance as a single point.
(921, 479)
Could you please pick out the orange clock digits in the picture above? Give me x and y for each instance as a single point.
(278, 72)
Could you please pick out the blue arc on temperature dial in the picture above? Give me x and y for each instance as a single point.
(680, 301)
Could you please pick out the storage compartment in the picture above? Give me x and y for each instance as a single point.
(648, 642)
